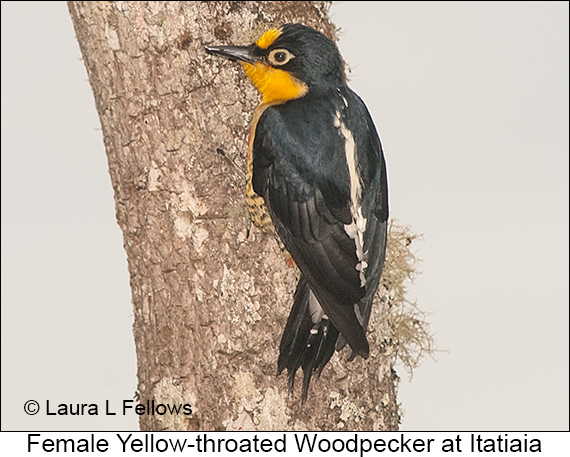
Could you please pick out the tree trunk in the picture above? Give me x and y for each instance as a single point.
(210, 301)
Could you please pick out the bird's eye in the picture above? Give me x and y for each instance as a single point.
(279, 57)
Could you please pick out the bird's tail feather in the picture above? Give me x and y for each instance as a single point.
(305, 344)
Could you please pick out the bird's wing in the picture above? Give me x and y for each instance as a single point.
(300, 169)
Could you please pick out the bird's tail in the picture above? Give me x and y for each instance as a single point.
(308, 340)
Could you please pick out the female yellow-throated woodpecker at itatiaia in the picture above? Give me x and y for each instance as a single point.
(316, 168)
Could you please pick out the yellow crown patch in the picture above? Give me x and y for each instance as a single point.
(268, 38)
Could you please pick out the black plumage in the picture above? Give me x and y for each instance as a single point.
(299, 167)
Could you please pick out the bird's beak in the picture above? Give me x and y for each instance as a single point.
(241, 53)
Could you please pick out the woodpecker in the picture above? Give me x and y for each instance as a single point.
(317, 174)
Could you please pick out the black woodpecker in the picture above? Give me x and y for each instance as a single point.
(316, 170)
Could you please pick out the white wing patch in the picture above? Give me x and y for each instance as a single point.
(317, 312)
(356, 229)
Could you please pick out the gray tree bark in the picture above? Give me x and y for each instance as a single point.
(210, 302)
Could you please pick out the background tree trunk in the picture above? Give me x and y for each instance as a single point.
(210, 303)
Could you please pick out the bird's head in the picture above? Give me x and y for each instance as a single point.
(287, 62)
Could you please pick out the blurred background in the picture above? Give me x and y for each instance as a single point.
(471, 102)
